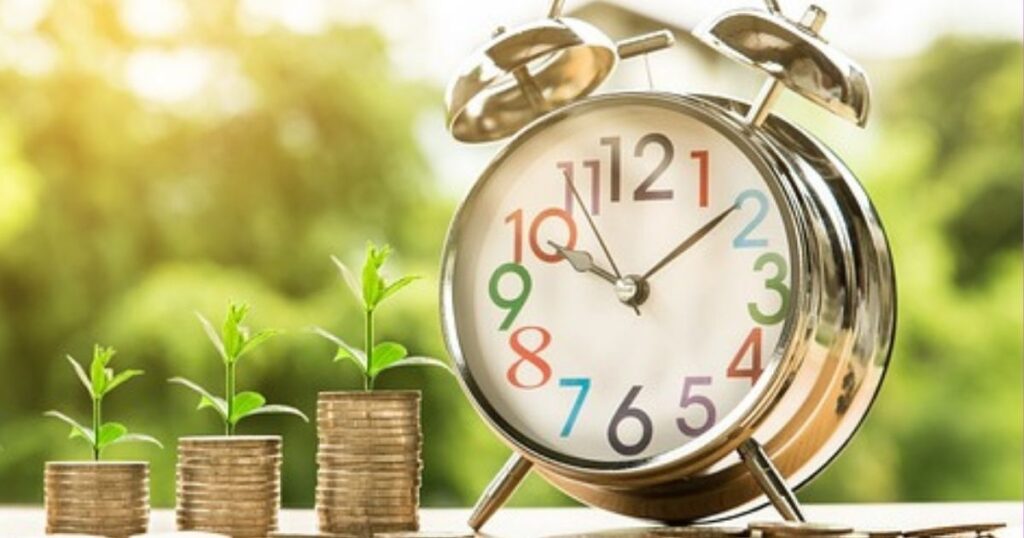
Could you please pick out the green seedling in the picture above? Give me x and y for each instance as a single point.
(100, 382)
(233, 342)
(371, 291)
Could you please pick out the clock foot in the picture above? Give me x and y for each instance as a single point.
(768, 477)
(499, 490)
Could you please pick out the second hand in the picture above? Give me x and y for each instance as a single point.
(597, 234)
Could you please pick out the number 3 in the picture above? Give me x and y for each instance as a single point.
(776, 283)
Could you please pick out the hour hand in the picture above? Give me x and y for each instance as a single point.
(583, 262)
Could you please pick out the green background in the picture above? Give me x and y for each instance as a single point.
(120, 217)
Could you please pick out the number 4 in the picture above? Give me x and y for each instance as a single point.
(736, 368)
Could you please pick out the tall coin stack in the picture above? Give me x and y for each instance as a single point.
(368, 457)
(229, 485)
(99, 498)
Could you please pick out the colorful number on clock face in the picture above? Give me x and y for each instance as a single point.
(558, 356)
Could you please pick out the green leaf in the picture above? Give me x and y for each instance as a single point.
(397, 285)
(244, 403)
(276, 409)
(232, 333)
(211, 333)
(345, 351)
(373, 284)
(349, 278)
(136, 438)
(81, 375)
(77, 430)
(98, 369)
(207, 399)
(121, 378)
(418, 361)
(385, 354)
(252, 343)
(109, 433)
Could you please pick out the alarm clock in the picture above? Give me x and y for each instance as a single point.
(670, 306)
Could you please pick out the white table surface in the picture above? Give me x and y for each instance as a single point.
(576, 522)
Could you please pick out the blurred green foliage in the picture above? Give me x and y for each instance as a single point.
(121, 216)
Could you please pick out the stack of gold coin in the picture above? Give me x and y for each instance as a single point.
(368, 457)
(229, 485)
(100, 498)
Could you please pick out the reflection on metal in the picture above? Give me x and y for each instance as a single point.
(843, 322)
(526, 72)
(771, 482)
(794, 55)
(502, 486)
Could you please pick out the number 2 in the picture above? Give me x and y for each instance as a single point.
(644, 191)
(583, 383)
(743, 240)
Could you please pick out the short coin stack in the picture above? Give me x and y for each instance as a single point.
(368, 477)
(229, 485)
(100, 498)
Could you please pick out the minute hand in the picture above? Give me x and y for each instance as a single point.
(689, 241)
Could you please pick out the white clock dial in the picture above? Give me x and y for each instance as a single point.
(556, 354)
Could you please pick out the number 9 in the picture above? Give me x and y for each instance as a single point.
(512, 304)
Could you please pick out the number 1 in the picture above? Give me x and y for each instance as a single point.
(702, 163)
(584, 385)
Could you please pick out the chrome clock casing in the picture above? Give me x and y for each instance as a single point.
(830, 361)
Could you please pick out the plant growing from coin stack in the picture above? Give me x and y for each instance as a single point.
(231, 484)
(100, 382)
(370, 441)
(232, 343)
(371, 291)
(108, 498)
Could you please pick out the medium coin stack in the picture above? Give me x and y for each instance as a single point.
(229, 485)
(368, 457)
(99, 498)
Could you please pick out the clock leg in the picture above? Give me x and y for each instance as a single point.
(499, 490)
(768, 477)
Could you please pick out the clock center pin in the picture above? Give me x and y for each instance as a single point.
(632, 290)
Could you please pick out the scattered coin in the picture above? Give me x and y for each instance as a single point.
(798, 528)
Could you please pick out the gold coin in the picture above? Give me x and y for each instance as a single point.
(798, 528)
(423, 534)
(368, 395)
(209, 518)
(389, 489)
(390, 482)
(335, 524)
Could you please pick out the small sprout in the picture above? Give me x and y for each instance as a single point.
(234, 341)
(100, 381)
(371, 291)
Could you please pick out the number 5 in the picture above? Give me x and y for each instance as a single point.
(696, 399)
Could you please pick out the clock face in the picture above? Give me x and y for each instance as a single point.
(605, 364)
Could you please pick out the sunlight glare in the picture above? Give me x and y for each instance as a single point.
(154, 18)
(300, 16)
(168, 77)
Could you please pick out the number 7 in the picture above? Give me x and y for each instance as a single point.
(584, 385)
